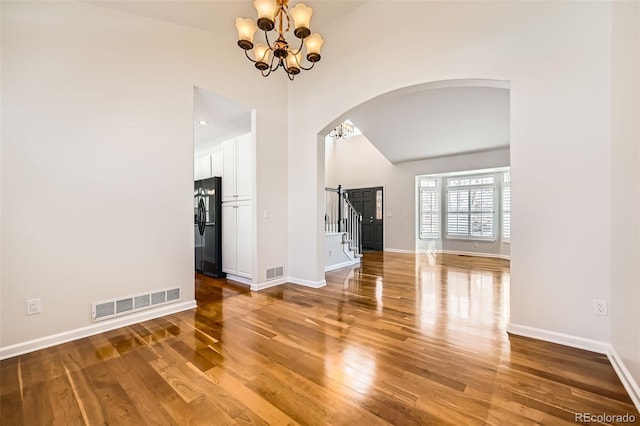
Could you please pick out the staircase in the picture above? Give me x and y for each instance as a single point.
(341, 218)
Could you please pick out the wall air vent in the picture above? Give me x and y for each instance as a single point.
(125, 305)
(275, 272)
(102, 310)
(159, 297)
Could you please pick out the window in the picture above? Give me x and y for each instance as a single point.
(379, 204)
(506, 208)
(429, 192)
(470, 207)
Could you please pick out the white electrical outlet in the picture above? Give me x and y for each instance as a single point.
(33, 306)
(600, 307)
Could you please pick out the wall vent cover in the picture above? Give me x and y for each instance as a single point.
(101, 310)
(125, 305)
(275, 272)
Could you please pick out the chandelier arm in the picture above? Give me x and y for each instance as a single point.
(249, 57)
(291, 76)
(277, 65)
(306, 69)
(299, 48)
(266, 74)
(266, 36)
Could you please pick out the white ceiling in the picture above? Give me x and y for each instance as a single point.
(225, 119)
(437, 122)
(404, 125)
(218, 17)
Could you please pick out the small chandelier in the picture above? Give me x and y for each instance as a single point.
(275, 14)
(344, 130)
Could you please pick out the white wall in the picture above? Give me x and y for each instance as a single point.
(625, 185)
(97, 157)
(356, 163)
(556, 56)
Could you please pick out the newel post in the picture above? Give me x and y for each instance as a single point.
(340, 224)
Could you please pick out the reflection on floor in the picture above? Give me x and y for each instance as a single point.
(402, 339)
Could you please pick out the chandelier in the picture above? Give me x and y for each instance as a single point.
(344, 130)
(276, 15)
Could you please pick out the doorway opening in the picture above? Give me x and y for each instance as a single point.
(222, 128)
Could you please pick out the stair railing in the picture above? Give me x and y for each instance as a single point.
(353, 227)
(341, 216)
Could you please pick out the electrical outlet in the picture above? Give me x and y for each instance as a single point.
(33, 306)
(600, 307)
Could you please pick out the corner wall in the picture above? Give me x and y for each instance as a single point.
(97, 158)
(625, 189)
(556, 56)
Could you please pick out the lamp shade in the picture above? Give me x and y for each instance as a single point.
(301, 15)
(293, 62)
(313, 43)
(261, 53)
(265, 8)
(246, 29)
(266, 13)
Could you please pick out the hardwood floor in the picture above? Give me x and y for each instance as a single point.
(403, 339)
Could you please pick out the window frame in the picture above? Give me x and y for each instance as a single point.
(437, 190)
(469, 212)
(506, 185)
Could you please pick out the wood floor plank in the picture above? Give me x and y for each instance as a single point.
(401, 339)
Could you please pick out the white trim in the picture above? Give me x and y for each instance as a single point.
(96, 328)
(473, 253)
(395, 250)
(241, 280)
(307, 283)
(625, 376)
(355, 261)
(560, 338)
(629, 383)
(268, 284)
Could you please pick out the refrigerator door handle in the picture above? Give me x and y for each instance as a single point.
(201, 216)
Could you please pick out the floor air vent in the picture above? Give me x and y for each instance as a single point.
(276, 272)
(122, 306)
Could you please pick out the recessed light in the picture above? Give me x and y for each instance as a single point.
(204, 123)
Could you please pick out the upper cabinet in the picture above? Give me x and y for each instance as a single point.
(237, 168)
(202, 168)
(209, 165)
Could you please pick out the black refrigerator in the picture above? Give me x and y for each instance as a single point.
(207, 213)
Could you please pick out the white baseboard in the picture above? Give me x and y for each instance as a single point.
(241, 280)
(629, 383)
(268, 284)
(473, 253)
(307, 283)
(96, 328)
(560, 338)
(395, 250)
(355, 261)
(625, 376)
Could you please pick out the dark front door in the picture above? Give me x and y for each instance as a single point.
(368, 202)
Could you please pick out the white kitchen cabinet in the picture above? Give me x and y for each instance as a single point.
(229, 245)
(216, 164)
(244, 238)
(244, 167)
(237, 238)
(202, 168)
(237, 168)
